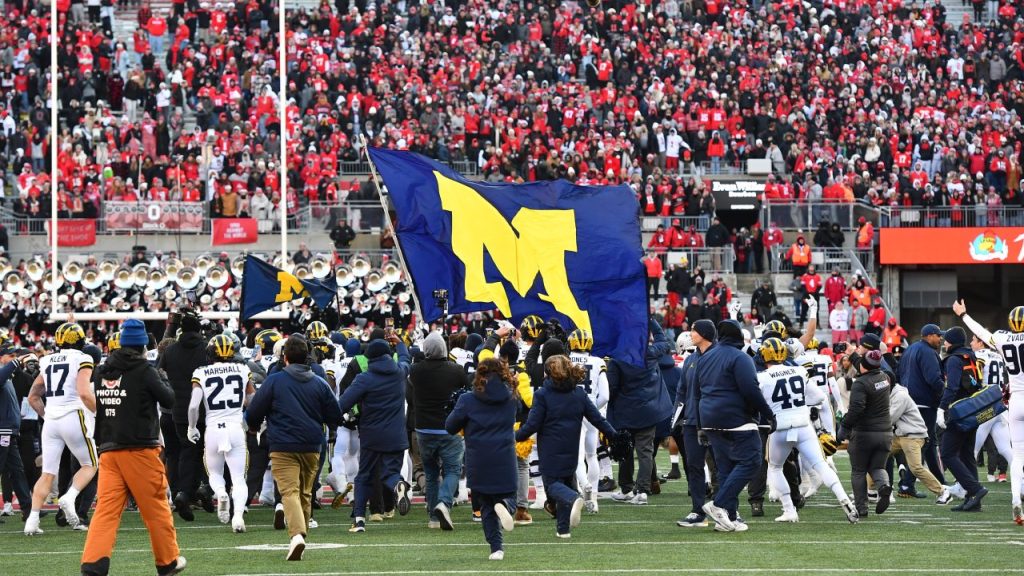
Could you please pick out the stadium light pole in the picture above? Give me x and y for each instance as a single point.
(282, 121)
(54, 145)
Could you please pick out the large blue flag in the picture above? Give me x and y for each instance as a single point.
(264, 287)
(552, 249)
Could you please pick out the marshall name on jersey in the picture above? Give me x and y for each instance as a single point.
(60, 377)
(223, 385)
(788, 392)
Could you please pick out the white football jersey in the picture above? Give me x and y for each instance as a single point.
(60, 380)
(1011, 346)
(596, 376)
(266, 361)
(334, 373)
(992, 367)
(464, 358)
(524, 349)
(818, 367)
(790, 395)
(223, 385)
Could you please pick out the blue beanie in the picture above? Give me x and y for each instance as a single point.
(377, 348)
(956, 336)
(338, 338)
(352, 347)
(133, 333)
(473, 341)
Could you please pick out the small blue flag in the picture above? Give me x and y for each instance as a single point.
(553, 249)
(265, 287)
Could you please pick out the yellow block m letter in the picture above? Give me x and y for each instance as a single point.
(291, 288)
(535, 243)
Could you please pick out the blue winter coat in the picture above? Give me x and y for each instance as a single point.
(296, 404)
(380, 393)
(727, 394)
(670, 374)
(10, 408)
(557, 417)
(487, 420)
(921, 372)
(638, 397)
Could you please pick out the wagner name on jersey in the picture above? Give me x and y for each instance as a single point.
(223, 385)
(788, 392)
(1011, 346)
(992, 366)
(60, 377)
(596, 372)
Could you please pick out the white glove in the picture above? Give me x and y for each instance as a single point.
(812, 307)
(734, 308)
(193, 435)
(940, 418)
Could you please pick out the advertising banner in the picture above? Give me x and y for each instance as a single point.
(155, 216)
(996, 245)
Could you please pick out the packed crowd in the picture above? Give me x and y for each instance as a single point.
(888, 104)
(185, 109)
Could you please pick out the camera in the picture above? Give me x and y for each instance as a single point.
(440, 294)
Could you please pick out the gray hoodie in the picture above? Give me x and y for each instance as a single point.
(434, 347)
(904, 414)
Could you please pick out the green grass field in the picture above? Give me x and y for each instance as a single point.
(913, 537)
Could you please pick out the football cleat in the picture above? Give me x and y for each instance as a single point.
(238, 524)
(223, 508)
(32, 527)
(788, 517)
(1018, 515)
(358, 526)
(851, 511)
(67, 506)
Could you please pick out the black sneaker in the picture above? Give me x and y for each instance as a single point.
(206, 500)
(549, 507)
(757, 509)
(315, 504)
(183, 507)
(799, 502)
(673, 474)
(606, 485)
(973, 503)
(884, 499)
(402, 497)
(60, 519)
(358, 526)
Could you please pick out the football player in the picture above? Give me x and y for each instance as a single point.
(224, 387)
(994, 371)
(345, 456)
(265, 341)
(790, 396)
(69, 413)
(595, 384)
(529, 331)
(1010, 345)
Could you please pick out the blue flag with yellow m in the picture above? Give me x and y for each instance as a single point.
(265, 287)
(552, 249)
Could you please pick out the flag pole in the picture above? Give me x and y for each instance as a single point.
(387, 221)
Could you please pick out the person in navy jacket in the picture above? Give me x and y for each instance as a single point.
(921, 372)
(638, 401)
(703, 336)
(730, 407)
(556, 416)
(380, 392)
(487, 418)
(957, 448)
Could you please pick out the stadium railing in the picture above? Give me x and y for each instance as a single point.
(847, 260)
(362, 168)
(711, 260)
(975, 215)
(807, 216)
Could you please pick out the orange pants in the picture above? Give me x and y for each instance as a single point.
(141, 472)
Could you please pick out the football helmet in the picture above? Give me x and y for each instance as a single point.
(531, 326)
(69, 335)
(829, 446)
(684, 342)
(778, 327)
(316, 330)
(266, 340)
(221, 347)
(580, 340)
(113, 341)
(1016, 319)
(773, 350)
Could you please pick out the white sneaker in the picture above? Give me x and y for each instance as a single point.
(639, 499)
(740, 526)
(238, 524)
(945, 498)
(313, 523)
(81, 528)
(179, 566)
(296, 548)
(720, 516)
(574, 514)
(851, 511)
(223, 508)
(565, 536)
(8, 509)
(623, 496)
(268, 501)
(32, 526)
(497, 555)
(958, 491)
(788, 517)
(991, 478)
(67, 505)
(538, 501)
(434, 525)
(507, 522)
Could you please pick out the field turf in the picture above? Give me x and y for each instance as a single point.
(913, 537)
